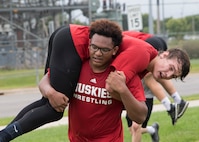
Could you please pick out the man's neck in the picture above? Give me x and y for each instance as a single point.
(150, 67)
(99, 69)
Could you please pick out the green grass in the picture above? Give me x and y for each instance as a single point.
(11, 79)
(194, 66)
(185, 130)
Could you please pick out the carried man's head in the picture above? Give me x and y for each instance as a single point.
(180, 59)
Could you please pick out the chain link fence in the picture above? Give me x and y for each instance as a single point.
(27, 54)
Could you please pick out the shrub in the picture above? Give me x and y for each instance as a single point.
(192, 48)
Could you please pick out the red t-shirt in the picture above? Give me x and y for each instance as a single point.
(136, 34)
(80, 36)
(94, 116)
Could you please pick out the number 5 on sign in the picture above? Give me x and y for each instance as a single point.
(134, 18)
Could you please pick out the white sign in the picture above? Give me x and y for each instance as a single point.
(134, 18)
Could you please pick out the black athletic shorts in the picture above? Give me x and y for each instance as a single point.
(149, 103)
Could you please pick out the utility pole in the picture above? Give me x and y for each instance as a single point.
(193, 25)
(158, 17)
(150, 18)
(62, 11)
(163, 24)
(89, 11)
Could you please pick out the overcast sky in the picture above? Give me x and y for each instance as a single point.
(172, 8)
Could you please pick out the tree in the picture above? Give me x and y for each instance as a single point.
(177, 27)
(193, 23)
(145, 23)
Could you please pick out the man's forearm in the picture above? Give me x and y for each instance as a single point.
(44, 86)
(136, 110)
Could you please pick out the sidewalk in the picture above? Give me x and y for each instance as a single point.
(156, 108)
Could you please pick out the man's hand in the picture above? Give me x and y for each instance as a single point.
(115, 83)
(57, 100)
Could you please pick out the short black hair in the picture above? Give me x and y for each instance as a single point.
(107, 28)
(157, 42)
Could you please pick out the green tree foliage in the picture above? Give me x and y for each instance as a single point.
(193, 23)
(175, 27)
(145, 23)
(178, 29)
(178, 26)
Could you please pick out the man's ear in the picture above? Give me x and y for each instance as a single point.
(164, 54)
(116, 48)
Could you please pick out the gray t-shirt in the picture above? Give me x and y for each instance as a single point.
(147, 92)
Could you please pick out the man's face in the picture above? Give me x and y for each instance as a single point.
(166, 68)
(101, 50)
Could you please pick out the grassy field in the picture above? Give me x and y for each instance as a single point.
(194, 66)
(11, 79)
(186, 130)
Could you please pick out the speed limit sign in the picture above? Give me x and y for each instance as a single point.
(134, 18)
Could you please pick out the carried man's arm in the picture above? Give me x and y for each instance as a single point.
(57, 100)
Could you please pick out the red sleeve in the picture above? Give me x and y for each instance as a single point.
(139, 35)
(136, 88)
(80, 36)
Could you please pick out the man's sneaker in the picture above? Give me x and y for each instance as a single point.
(173, 113)
(155, 136)
(182, 107)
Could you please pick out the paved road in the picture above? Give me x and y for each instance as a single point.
(189, 86)
(14, 100)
